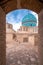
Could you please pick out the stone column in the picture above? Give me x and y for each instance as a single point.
(41, 37)
(2, 38)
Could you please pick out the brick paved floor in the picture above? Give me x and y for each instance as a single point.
(21, 54)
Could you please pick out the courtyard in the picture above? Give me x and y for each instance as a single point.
(21, 54)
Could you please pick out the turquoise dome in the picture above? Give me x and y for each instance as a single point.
(29, 20)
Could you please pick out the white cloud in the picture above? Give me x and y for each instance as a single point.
(10, 19)
(16, 26)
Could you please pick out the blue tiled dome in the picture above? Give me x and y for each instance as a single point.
(29, 20)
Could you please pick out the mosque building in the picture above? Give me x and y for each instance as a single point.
(27, 32)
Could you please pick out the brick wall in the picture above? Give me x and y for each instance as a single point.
(41, 37)
(2, 38)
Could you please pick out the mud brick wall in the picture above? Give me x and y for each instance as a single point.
(41, 37)
(2, 37)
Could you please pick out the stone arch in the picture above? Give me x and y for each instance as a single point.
(5, 7)
(9, 5)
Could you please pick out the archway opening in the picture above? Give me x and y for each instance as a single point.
(21, 37)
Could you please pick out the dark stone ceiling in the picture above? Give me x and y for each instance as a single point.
(9, 5)
(41, 1)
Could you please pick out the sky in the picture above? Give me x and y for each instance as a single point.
(15, 17)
